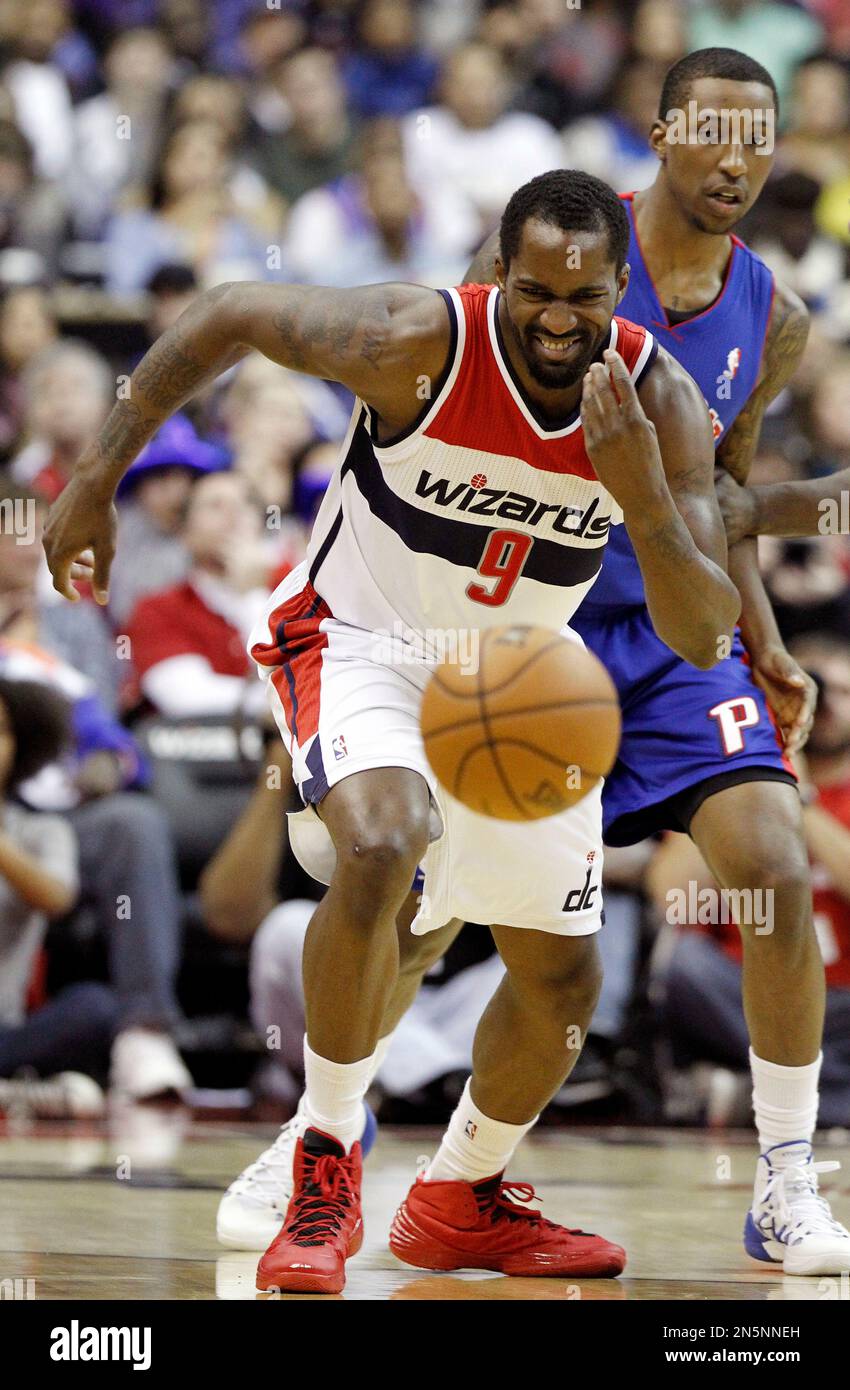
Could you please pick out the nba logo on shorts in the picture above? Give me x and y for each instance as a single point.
(338, 745)
(470, 1129)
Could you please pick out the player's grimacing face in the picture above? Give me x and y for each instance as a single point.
(716, 175)
(560, 292)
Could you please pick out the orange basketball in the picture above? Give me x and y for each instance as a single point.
(525, 731)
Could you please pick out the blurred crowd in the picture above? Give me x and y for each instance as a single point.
(151, 915)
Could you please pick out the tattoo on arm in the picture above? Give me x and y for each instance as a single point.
(124, 432)
(350, 325)
(290, 341)
(169, 373)
(786, 339)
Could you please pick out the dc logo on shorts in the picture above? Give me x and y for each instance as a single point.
(338, 745)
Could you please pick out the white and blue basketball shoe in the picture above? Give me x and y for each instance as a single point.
(789, 1223)
(252, 1210)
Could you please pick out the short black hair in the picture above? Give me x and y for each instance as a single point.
(710, 62)
(172, 278)
(572, 201)
(41, 726)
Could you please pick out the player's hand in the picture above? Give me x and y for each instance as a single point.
(737, 506)
(79, 540)
(617, 430)
(791, 694)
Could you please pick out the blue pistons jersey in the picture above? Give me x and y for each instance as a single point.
(682, 727)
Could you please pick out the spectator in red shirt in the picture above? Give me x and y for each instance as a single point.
(153, 497)
(702, 1005)
(188, 643)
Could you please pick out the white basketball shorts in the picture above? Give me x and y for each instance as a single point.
(347, 699)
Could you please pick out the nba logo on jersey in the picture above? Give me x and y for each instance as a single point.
(338, 745)
(733, 362)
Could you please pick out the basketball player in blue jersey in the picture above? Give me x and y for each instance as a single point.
(576, 429)
(700, 750)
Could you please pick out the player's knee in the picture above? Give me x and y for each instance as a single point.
(771, 892)
(383, 854)
(779, 874)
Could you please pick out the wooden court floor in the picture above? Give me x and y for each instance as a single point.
(126, 1210)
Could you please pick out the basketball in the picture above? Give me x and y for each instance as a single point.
(529, 732)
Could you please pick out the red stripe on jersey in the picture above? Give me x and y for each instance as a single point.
(481, 414)
(295, 652)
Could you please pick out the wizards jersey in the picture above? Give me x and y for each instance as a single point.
(481, 513)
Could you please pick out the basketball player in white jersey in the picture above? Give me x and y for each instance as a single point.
(496, 431)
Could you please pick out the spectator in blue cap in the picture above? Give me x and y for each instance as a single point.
(152, 505)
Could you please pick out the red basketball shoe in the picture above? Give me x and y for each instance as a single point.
(464, 1225)
(323, 1224)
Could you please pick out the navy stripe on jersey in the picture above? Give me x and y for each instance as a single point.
(648, 364)
(459, 542)
(325, 547)
(316, 785)
(280, 638)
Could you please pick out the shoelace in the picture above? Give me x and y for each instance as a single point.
(319, 1209)
(263, 1178)
(521, 1192)
(798, 1209)
(524, 1192)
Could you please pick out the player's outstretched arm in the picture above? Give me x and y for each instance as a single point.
(380, 341)
(654, 453)
(811, 508)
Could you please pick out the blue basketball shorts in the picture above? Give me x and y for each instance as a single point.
(687, 733)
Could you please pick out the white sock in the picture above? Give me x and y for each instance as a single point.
(474, 1146)
(377, 1062)
(333, 1095)
(382, 1047)
(785, 1101)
